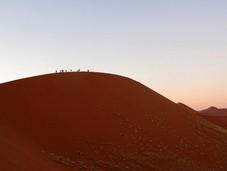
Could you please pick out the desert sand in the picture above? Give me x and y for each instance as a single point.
(104, 122)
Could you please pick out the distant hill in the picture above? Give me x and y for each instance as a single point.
(214, 111)
(215, 115)
(97, 121)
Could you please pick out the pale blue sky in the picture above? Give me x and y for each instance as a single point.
(176, 47)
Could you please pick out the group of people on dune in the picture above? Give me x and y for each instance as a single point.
(62, 70)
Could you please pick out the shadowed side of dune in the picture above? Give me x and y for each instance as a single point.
(107, 122)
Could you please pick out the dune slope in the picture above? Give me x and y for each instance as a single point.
(95, 121)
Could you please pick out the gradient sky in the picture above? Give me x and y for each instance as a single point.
(176, 47)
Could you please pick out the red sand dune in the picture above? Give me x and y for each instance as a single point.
(95, 121)
(215, 115)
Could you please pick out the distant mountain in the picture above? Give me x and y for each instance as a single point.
(215, 115)
(96, 121)
(214, 111)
